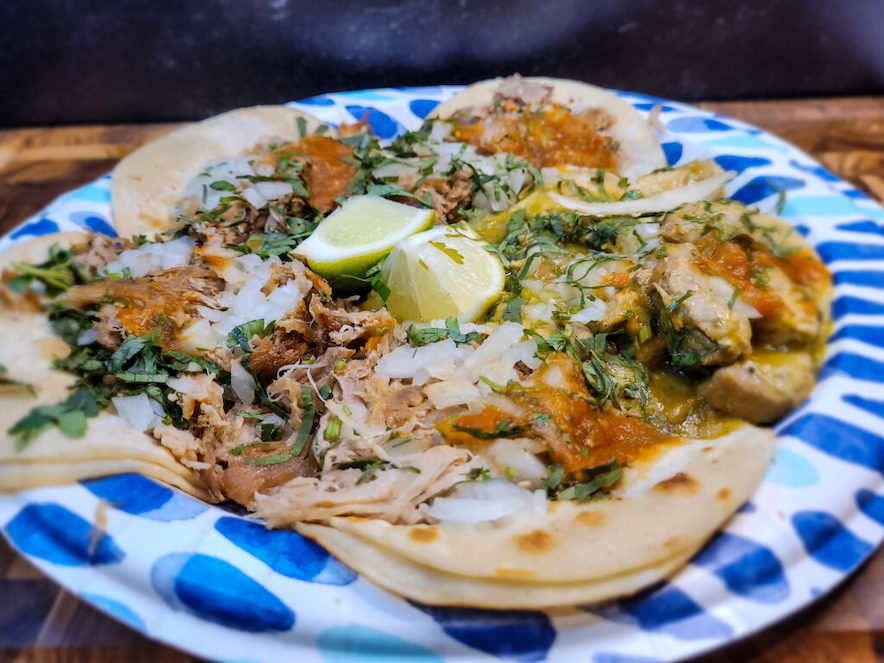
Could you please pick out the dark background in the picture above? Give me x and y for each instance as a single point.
(99, 61)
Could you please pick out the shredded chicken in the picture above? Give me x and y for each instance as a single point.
(516, 88)
(718, 334)
(100, 250)
(167, 300)
(221, 444)
(393, 494)
(449, 196)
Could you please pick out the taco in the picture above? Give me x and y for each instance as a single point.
(554, 123)
(619, 383)
(152, 180)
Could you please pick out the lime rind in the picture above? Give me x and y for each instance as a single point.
(361, 232)
(442, 272)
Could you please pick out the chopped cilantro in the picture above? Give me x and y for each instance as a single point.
(597, 479)
(69, 415)
(306, 422)
(503, 428)
(420, 337)
(479, 474)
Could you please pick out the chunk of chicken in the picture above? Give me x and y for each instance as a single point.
(723, 220)
(710, 331)
(796, 323)
(718, 221)
(762, 389)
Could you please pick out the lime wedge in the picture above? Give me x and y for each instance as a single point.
(357, 235)
(442, 272)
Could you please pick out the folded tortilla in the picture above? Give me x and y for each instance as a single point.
(110, 445)
(150, 181)
(639, 150)
(663, 510)
(422, 583)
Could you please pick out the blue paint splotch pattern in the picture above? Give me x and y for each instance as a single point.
(355, 643)
(865, 277)
(828, 541)
(38, 228)
(94, 222)
(140, 496)
(866, 226)
(854, 365)
(871, 504)
(697, 124)
(117, 610)
(217, 591)
(422, 107)
(605, 657)
(520, 635)
(832, 251)
(53, 533)
(668, 610)
(870, 334)
(763, 186)
(791, 469)
(749, 569)
(740, 163)
(869, 405)
(286, 552)
(382, 125)
(673, 152)
(841, 440)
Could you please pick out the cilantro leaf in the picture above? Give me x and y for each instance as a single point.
(69, 415)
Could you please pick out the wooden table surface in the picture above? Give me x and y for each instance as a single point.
(41, 622)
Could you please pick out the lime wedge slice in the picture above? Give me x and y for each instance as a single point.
(357, 235)
(442, 272)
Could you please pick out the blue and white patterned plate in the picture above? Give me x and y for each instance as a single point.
(224, 588)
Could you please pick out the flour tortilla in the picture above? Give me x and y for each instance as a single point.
(150, 181)
(664, 509)
(639, 152)
(428, 585)
(35, 251)
(110, 446)
(26, 476)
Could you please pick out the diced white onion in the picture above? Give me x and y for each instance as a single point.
(449, 393)
(242, 383)
(147, 257)
(137, 411)
(517, 456)
(594, 310)
(273, 190)
(254, 197)
(480, 501)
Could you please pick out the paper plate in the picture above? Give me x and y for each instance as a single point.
(222, 587)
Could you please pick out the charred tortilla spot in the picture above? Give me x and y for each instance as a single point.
(724, 496)
(676, 544)
(589, 518)
(424, 534)
(537, 542)
(679, 485)
(515, 574)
